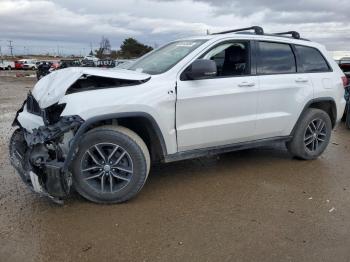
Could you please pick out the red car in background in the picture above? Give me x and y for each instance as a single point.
(18, 65)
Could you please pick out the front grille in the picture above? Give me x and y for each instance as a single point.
(33, 106)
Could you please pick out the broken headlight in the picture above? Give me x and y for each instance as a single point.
(52, 114)
(32, 105)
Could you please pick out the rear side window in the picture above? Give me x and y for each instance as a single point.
(312, 60)
(276, 58)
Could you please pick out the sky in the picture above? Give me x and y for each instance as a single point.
(72, 26)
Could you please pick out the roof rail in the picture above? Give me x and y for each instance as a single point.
(294, 34)
(257, 30)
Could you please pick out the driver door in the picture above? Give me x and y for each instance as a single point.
(220, 110)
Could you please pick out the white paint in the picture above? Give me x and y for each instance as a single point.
(29, 121)
(54, 86)
(35, 182)
(208, 112)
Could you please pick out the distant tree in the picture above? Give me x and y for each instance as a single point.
(114, 54)
(131, 48)
(105, 48)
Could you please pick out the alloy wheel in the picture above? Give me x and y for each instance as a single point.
(315, 134)
(106, 167)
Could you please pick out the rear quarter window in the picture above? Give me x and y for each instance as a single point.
(312, 61)
(276, 58)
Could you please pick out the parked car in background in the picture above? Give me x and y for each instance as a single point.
(29, 64)
(6, 65)
(106, 63)
(87, 63)
(43, 69)
(344, 64)
(92, 59)
(64, 63)
(55, 65)
(18, 65)
(99, 130)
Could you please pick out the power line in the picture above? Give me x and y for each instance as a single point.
(10, 46)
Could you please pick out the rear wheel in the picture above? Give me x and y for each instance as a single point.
(312, 135)
(111, 166)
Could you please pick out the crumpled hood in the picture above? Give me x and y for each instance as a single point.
(51, 88)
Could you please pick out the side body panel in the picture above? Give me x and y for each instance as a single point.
(281, 99)
(329, 84)
(215, 112)
(155, 98)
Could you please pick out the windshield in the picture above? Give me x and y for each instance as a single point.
(163, 59)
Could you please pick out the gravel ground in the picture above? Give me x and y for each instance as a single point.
(254, 205)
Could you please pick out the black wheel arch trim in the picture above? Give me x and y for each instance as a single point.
(307, 106)
(89, 122)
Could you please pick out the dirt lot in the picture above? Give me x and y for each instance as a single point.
(255, 205)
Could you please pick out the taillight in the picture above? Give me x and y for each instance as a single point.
(345, 81)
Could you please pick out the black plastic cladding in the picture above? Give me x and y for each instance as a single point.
(88, 123)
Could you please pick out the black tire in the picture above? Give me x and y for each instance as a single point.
(309, 142)
(347, 115)
(136, 158)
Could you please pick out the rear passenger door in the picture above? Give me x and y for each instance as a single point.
(282, 91)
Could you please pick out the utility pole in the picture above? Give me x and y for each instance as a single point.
(10, 46)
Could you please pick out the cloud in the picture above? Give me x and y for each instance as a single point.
(77, 23)
(44, 19)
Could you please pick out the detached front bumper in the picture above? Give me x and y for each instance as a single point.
(38, 155)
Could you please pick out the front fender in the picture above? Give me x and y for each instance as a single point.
(91, 121)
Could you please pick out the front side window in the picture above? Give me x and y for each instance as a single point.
(163, 59)
(276, 58)
(312, 60)
(231, 58)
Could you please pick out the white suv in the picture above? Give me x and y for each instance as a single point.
(99, 130)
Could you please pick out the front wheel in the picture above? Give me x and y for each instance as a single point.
(312, 135)
(111, 166)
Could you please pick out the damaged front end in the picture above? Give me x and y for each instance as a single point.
(38, 153)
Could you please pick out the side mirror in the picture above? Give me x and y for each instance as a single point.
(201, 69)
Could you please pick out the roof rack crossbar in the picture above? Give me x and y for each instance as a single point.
(294, 34)
(257, 30)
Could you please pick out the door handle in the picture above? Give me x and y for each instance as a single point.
(246, 84)
(301, 80)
